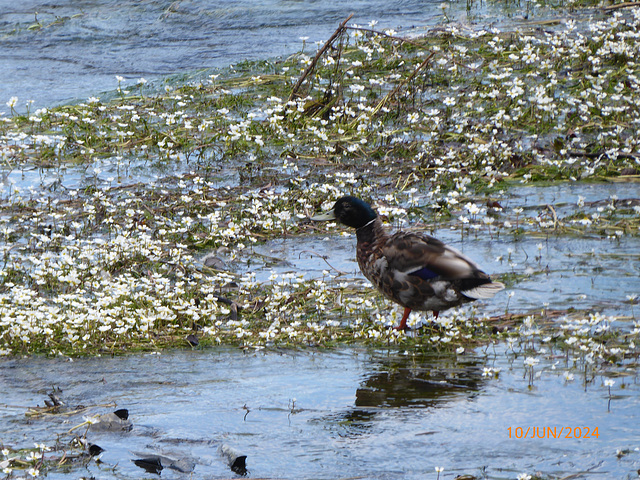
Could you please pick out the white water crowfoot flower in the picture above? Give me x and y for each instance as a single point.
(632, 299)
(449, 101)
(91, 420)
(491, 372)
(609, 382)
(119, 89)
(12, 103)
(529, 364)
(413, 117)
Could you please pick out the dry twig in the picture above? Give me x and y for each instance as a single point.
(313, 63)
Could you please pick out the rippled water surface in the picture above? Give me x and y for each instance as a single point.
(79, 47)
(341, 414)
(348, 412)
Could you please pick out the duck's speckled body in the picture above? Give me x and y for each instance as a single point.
(414, 270)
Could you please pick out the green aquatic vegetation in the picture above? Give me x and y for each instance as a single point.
(439, 128)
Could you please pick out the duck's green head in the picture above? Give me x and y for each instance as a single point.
(349, 211)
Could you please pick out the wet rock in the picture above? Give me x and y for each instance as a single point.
(235, 460)
(95, 450)
(122, 414)
(150, 465)
(214, 262)
(154, 463)
(113, 422)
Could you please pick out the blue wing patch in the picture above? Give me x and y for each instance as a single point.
(425, 274)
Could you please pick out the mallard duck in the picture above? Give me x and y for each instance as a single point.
(414, 270)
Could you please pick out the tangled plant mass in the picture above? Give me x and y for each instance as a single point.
(102, 249)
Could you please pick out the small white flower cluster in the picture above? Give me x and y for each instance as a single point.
(589, 343)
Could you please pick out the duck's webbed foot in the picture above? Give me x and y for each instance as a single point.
(403, 322)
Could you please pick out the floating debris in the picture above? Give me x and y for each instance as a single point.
(55, 400)
(55, 406)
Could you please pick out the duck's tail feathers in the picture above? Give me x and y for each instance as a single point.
(486, 290)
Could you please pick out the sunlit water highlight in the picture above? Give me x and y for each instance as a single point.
(81, 47)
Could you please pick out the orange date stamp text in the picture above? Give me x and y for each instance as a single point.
(552, 432)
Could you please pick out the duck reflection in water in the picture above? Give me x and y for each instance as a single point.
(422, 381)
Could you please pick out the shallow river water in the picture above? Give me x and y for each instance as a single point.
(348, 413)
(80, 47)
(326, 414)
(363, 413)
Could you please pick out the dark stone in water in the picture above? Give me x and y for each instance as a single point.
(214, 262)
(151, 465)
(235, 460)
(122, 414)
(155, 463)
(239, 465)
(95, 450)
(113, 422)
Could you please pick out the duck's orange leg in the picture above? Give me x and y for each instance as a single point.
(403, 322)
